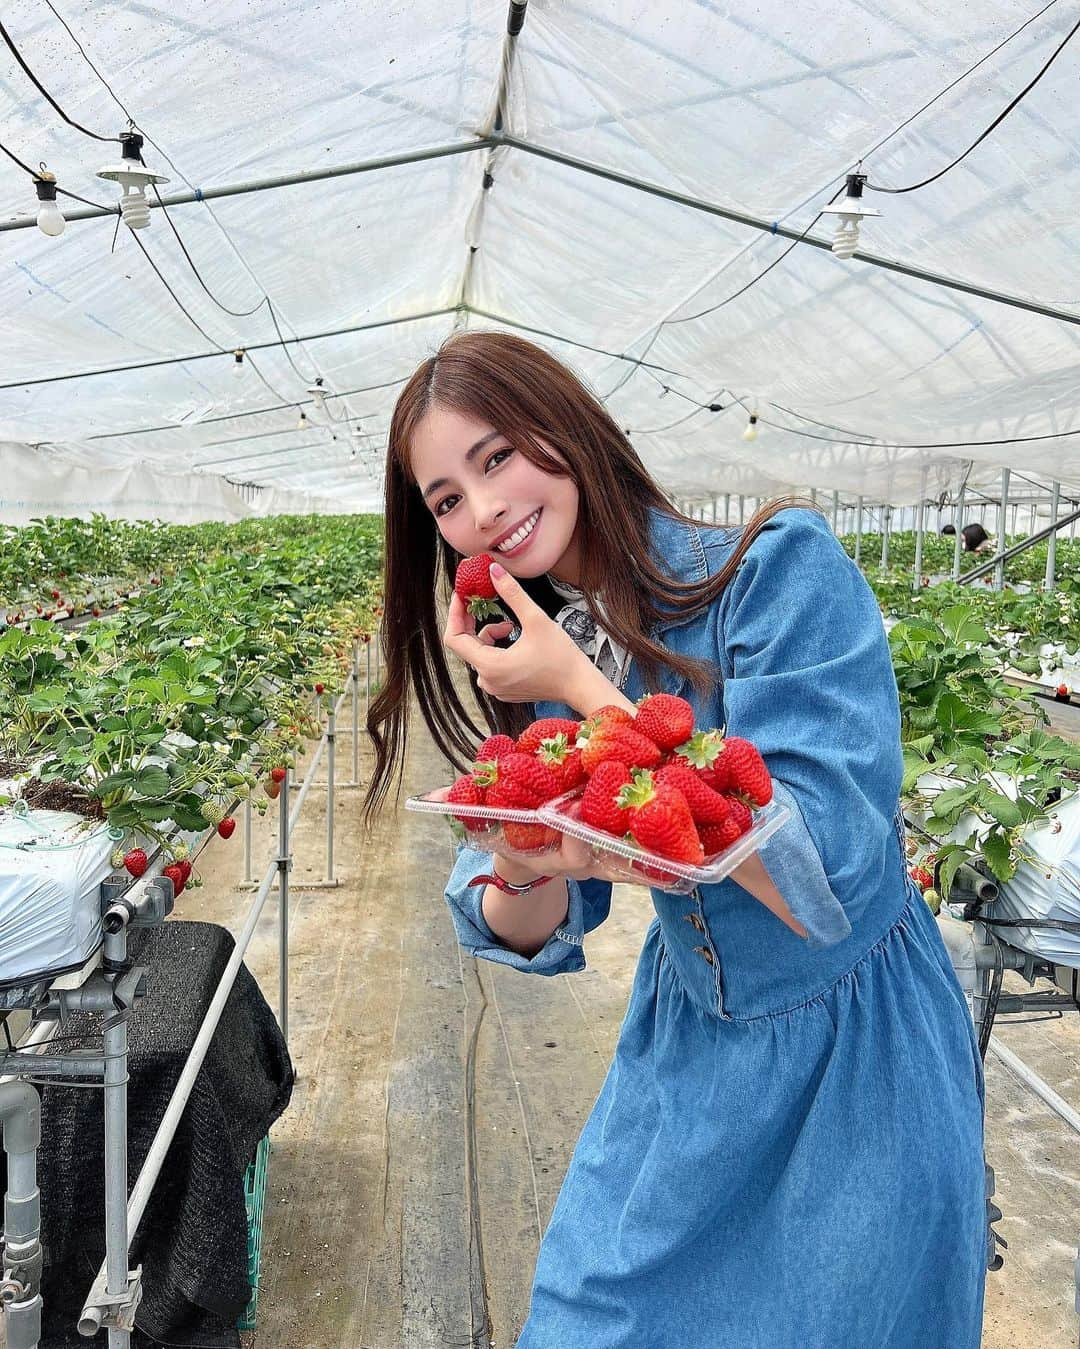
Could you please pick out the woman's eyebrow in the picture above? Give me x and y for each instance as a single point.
(470, 455)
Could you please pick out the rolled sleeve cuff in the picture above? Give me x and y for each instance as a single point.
(794, 865)
(561, 954)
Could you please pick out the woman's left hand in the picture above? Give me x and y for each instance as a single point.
(543, 665)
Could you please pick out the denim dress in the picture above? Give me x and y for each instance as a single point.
(787, 1149)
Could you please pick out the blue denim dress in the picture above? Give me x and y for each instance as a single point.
(787, 1150)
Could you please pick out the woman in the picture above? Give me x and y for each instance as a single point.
(787, 1150)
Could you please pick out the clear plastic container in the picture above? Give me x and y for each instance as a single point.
(639, 865)
(490, 828)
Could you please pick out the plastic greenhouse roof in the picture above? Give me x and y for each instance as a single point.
(948, 346)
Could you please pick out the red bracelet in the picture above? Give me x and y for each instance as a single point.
(508, 887)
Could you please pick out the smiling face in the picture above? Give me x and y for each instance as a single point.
(486, 496)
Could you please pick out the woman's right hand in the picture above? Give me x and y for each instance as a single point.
(572, 860)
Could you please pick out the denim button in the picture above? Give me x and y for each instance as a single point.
(705, 953)
(695, 920)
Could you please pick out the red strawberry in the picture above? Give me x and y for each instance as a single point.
(466, 791)
(320, 689)
(277, 775)
(529, 741)
(494, 747)
(612, 741)
(922, 878)
(745, 771)
(600, 802)
(176, 875)
(474, 584)
(136, 862)
(702, 752)
(226, 827)
(740, 813)
(706, 806)
(528, 837)
(610, 713)
(185, 868)
(564, 759)
(522, 782)
(55, 594)
(1061, 693)
(273, 789)
(660, 819)
(665, 719)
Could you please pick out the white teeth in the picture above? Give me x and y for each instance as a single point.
(519, 535)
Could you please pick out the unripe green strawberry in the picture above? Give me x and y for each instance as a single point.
(117, 858)
(666, 720)
(211, 812)
(234, 779)
(180, 851)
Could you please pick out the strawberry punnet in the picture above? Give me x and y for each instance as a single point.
(612, 741)
(474, 584)
(665, 719)
(531, 738)
(600, 801)
(706, 806)
(660, 819)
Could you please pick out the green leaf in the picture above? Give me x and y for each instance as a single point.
(1001, 808)
(995, 848)
(952, 799)
(152, 781)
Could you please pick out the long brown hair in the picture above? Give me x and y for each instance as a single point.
(529, 397)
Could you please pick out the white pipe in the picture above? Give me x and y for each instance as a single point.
(1030, 1079)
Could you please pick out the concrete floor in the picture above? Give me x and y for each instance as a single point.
(438, 1100)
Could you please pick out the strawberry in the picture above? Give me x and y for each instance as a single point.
(185, 868)
(466, 791)
(702, 752)
(529, 741)
(706, 806)
(522, 782)
(117, 858)
(55, 594)
(740, 813)
(562, 757)
(612, 741)
(1061, 693)
(277, 775)
(528, 837)
(211, 812)
(136, 862)
(494, 747)
(273, 789)
(600, 802)
(226, 826)
(667, 720)
(176, 875)
(745, 771)
(922, 878)
(474, 584)
(660, 819)
(320, 689)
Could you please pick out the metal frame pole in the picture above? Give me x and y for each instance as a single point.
(116, 1143)
(886, 518)
(858, 531)
(355, 714)
(284, 861)
(1051, 543)
(367, 674)
(248, 879)
(742, 508)
(727, 508)
(920, 515)
(714, 510)
(835, 509)
(331, 735)
(1003, 543)
(959, 539)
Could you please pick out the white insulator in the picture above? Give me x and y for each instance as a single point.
(134, 208)
(846, 240)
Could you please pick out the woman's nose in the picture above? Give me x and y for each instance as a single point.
(491, 513)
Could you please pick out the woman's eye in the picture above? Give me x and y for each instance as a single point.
(447, 503)
(499, 456)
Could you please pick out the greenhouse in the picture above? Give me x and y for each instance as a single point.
(572, 488)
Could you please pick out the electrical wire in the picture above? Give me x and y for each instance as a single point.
(656, 430)
(1014, 102)
(45, 93)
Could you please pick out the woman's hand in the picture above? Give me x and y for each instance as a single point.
(572, 860)
(543, 665)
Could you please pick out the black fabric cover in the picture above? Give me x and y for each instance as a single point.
(192, 1242)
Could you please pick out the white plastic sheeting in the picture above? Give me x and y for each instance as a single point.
(51, 867)
(864, 376)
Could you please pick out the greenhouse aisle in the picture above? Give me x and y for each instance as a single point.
(438, 1099)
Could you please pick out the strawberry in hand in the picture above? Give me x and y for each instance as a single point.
(474, 585)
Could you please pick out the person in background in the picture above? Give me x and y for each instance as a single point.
(975, 538)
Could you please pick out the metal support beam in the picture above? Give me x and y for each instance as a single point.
(1003, 542)
(1051, 546)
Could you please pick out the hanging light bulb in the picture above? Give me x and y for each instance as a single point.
(852, 210)
(302, 423)
(238, 363)
(751, 432)
(133, 176)
(49, 219)
(318, 396)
